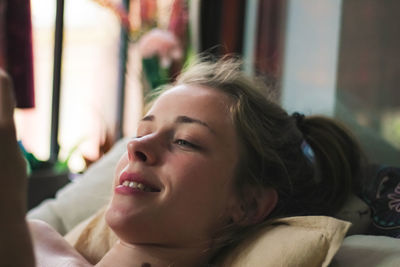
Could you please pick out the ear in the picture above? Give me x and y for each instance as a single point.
(255, 206)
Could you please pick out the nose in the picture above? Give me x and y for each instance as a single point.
(142, 149)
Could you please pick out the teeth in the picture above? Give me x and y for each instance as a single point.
(136, 185)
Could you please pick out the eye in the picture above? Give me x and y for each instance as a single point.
(186, 144)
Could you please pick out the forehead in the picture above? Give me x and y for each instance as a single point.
(208, 105)
(200, 101)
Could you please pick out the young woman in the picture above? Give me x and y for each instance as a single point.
(214, 158)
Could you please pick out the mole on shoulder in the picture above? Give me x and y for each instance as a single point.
(145, 264)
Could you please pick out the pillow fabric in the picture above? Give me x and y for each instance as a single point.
(356, 211)
(367, 250)
(294, 241)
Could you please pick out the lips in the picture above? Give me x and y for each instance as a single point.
(135, 182)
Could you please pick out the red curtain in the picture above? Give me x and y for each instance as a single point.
(16, 55)
(221, 26)
(222, 31)
(270, 33)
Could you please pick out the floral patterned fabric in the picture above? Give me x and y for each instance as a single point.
(383, 196)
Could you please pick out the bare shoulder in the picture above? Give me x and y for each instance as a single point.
(51, 249)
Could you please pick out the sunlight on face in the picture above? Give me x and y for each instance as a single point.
(174, 185)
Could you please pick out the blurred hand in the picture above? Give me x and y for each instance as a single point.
(12, 164)
(161, 43)
(15, 242)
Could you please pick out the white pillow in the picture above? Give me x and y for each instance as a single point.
(368, 250)
(358, 213)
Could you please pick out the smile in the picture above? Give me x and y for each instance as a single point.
(131, 182)
(138, 186)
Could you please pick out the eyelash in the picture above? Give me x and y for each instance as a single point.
(180, 142)
(184, 143)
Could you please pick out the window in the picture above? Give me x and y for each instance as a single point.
(89, 79)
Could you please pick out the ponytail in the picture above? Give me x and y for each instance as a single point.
(338, 160)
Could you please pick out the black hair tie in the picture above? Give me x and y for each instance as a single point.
(307, 150)
(299, 117)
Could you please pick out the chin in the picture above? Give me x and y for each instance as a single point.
(119, 214)
(128, 227)
(119, 223)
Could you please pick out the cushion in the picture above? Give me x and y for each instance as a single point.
(356, 211)
(367, 250)
(382, 194)
(294, 241)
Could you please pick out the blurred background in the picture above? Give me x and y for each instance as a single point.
(339, 58)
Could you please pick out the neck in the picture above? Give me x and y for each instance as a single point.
(124, 255)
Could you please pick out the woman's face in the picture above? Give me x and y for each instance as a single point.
(174, 185)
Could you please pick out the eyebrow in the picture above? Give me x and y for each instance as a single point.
(183, 119)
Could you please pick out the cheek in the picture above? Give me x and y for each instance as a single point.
(200, 176)
(190, 168)
(122, 163)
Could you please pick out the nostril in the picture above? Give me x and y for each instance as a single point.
(140, 155)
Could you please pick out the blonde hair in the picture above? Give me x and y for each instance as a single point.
(93, 237)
